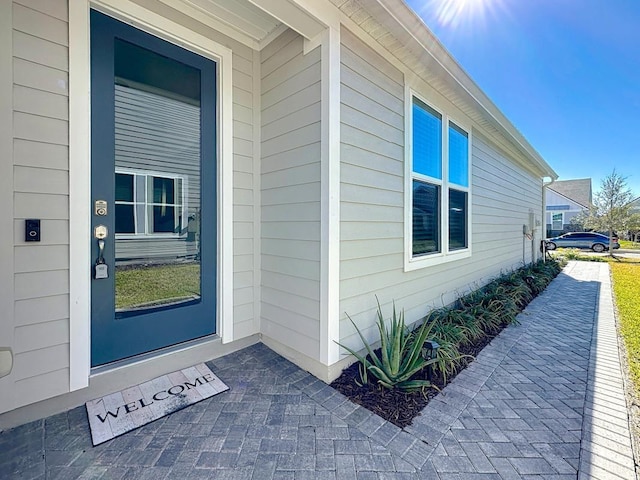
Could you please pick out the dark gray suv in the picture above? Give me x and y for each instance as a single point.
(595, 241)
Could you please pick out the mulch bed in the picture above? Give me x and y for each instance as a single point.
(394, 405)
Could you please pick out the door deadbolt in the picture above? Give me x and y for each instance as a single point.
(100, 232)
(100, 208)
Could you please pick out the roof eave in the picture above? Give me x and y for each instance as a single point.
(399, 17)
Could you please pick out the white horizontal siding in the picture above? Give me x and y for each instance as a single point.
(372, 204)
(56, 9)
(245, 194)
(290, 194)
(40, 103)
(34, 18)
(41, 190)
(40, 180)
(44, 309)
(36, 154)
(371, 175)
(31, 364)
(40, 51)
(40, 77)
(42, 386)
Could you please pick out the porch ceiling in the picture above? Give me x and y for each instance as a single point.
(252, 22)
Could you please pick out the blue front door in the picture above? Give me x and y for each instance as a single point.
(153, 160)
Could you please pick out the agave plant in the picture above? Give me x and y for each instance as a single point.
(400, 353)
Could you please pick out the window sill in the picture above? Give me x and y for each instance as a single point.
(434, 259)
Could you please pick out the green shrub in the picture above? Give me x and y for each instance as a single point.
(472, 317)
(518, 288)
(446, 332)
(448, 359)
(490, 321)
(571, 253)
(469, 326)
(496, 299)
(575, 254)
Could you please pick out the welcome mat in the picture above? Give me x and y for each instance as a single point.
(129, 409)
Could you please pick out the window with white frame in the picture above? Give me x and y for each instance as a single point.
(439, 175)
(149, 204)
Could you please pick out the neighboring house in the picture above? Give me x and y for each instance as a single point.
(564, 200)
(634, 234)
(298, 156)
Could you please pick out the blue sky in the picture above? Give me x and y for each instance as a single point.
(565, 72)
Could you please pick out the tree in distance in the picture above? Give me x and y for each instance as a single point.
(611, 209)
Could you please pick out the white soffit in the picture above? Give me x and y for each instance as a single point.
(252, 22)
(238, 19)
(291, 13)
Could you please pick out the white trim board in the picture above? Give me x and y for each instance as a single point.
(80, 167)
(330, 199)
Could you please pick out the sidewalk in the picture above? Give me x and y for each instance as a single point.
(542, 401)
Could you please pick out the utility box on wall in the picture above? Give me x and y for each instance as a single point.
(6, 361)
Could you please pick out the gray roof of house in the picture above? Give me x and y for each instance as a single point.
(577, 190)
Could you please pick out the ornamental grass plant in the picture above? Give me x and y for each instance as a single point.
(471, 320)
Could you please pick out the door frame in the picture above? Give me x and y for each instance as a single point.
(80, 210)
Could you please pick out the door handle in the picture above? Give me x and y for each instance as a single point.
(100, 251)
(100, 269)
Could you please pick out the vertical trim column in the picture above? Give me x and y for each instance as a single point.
(79, 195)
(330, 197)
(225, 189)
(257, 187)
(7, 322)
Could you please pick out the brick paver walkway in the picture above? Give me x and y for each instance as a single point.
(543, 401)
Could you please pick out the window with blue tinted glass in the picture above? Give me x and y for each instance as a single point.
(458, 156)
(440, 187)
(458, 238)
(426, 218)
(427, 140)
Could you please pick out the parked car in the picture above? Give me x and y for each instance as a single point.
(614, 236)
(595, 241)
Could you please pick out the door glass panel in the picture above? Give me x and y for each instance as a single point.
(124, 187)
(125, 220)
(157, 171)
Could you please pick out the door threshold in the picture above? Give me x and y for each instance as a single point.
(144, 357)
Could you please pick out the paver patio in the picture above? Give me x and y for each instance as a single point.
(544, 400)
